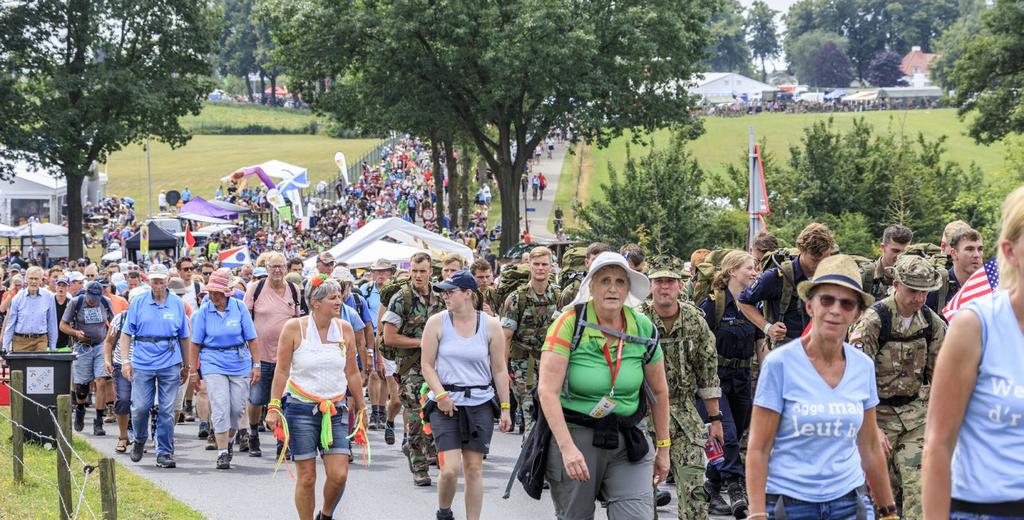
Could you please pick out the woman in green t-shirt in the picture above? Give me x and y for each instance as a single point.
(596, 442)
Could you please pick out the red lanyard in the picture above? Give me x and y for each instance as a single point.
(614, 370)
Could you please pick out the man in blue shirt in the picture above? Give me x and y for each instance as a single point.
(157, 335)
(776, 287)
(32, 317)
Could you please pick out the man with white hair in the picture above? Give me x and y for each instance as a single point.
(32, 317)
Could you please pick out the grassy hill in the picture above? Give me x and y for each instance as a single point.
(725, 142)
(219, 118)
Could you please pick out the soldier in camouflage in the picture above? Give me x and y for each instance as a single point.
(903, 336)
(403, 327)
(570, 290)
(481, 270)
(525, 317)
(876, 279)
(691, 365)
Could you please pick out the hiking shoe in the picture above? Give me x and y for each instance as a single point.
(389, 432)
(663, 498)
(738, 497)
(223, 461)
(445, 514)
(165, 461)
(190, 416)
(242, 440)
(109, 417)
(254, 446)
(79, 417)
(204, 430)
(97, 428)
(372, 424)
(717, 505)
(211, 443)
(138, 448)
(421, 478)
(231, 452)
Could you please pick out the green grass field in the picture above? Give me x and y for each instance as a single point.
(725, 141)
(217, 116)
(137, 498)
(206, 158)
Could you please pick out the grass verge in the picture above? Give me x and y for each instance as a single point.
(137, 498)
(231, 118)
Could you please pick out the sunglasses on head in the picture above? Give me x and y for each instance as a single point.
(847, 304)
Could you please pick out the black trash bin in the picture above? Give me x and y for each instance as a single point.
(46, 375)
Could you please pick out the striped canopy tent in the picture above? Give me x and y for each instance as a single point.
(865, 95)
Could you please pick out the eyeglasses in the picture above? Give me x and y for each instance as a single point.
(847, 304)
(280, 266)
(449, 292)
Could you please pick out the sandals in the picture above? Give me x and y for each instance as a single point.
(122, 445)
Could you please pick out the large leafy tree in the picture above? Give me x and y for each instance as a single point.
(727, 49)
(802, 53)
(884, 70)
(238, 42)
(988, 78)
(761, 32)
(506, 72)
(831, 67)
(90, 76)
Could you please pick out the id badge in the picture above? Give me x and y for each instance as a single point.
(603, 407)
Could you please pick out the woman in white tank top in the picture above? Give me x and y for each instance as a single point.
(463, 352)
(316, 366)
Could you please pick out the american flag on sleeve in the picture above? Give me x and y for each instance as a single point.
(981, 283)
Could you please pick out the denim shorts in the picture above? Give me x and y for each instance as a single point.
(304, 430)
(842, 508)
(957, 515)
(88, 365)
(259, 393)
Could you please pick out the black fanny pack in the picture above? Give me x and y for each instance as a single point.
(1014, 508)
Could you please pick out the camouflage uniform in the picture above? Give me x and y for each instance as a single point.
(877, 280)
(903, 368)
(490, 297)
(528, 332)
(691, 367)
(409, 318)
(569, 294)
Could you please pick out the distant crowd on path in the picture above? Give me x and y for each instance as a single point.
(743, 108)
(827, 370)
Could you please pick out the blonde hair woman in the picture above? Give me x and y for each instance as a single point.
(976, 404)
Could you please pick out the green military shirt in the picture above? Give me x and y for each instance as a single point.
(902, 368)
(877, 281)
(538, 313)
(691, 360)
(569, 294)
(411, 317)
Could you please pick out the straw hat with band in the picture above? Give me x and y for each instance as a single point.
(219, 281)
(838, 270)
(639, 284)
(916, 272)
(382, 264)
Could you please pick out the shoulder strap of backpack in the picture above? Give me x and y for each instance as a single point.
(943, 293)
(885, 318)
(299, 303)
(76, 306)
(256, 296)
(719, 297)
(788, 275)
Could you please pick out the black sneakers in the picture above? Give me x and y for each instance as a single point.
(138, 448)
(97, 427)
(242, 440)
(223, 461)
(254, 445)
(445, 514)
(204, 430)
(717, 505)
(738, 497)
(165, 461)
(389, 432)
(79, 417)
(663, 498)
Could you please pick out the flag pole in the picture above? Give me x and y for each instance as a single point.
(751, 196)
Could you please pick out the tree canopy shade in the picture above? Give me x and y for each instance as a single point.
(884, 70)
(989, 75)
(727, 49)
(504, 73)
(90, 76)
(802, 53)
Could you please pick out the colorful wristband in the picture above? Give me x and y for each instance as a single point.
(506, 406)
(274, 402)
(664, 443)
(441, 396)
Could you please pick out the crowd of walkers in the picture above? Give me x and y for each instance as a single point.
(776, 383)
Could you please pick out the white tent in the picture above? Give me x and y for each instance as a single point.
(402, 232)
(397, 254)
(38, 230)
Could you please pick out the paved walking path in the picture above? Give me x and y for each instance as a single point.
(542, 209)
(383, 490)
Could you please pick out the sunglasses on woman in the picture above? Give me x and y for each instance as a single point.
(847, 304)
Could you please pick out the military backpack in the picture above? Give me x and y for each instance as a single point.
(782, 260)
(573, 267)
(940, 260)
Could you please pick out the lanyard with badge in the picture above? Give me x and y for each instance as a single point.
(607, 402)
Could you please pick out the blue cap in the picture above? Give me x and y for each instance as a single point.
(260, 272)
(459, 280)
(93, 291)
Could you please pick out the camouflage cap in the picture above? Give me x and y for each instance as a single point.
(916, 273)
(665, 266)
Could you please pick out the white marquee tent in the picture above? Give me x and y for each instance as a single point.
(367, 241)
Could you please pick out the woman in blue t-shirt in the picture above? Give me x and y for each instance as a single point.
(813, 434)
(977, 397)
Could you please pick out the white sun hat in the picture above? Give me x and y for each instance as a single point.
(639, 284)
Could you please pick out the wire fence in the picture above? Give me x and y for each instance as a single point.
(71, 510)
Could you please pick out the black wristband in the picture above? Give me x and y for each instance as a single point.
(716, 417)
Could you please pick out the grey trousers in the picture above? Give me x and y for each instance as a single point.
(625, 485)
(228, 395)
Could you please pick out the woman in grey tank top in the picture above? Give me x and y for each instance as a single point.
(463, 352)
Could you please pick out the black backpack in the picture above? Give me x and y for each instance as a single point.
(885, 316)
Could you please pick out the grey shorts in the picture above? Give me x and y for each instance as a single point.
(626, 485)
(228, 395)
(447, 434)
(89, 363)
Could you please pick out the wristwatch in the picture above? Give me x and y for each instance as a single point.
(716, 417)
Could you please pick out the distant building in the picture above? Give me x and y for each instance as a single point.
(724, 87)
(915, 67)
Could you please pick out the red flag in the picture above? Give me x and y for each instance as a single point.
(190, 240)
(982, 283)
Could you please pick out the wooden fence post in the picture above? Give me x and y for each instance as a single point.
(64, 456)
(18, 419)
(108, 488)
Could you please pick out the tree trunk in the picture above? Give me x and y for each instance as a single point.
(508, 187)
(263, 88)
(273, 90)
(74, 180)
(435, 161)
(453, 177)
(464, 182)
(248, 87)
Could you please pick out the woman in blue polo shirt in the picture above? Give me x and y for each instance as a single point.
(813, 434)
(223, 339)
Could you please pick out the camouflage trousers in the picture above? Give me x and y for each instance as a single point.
(523, 388)
(904, 427)
(418, 441)
(688, 463)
